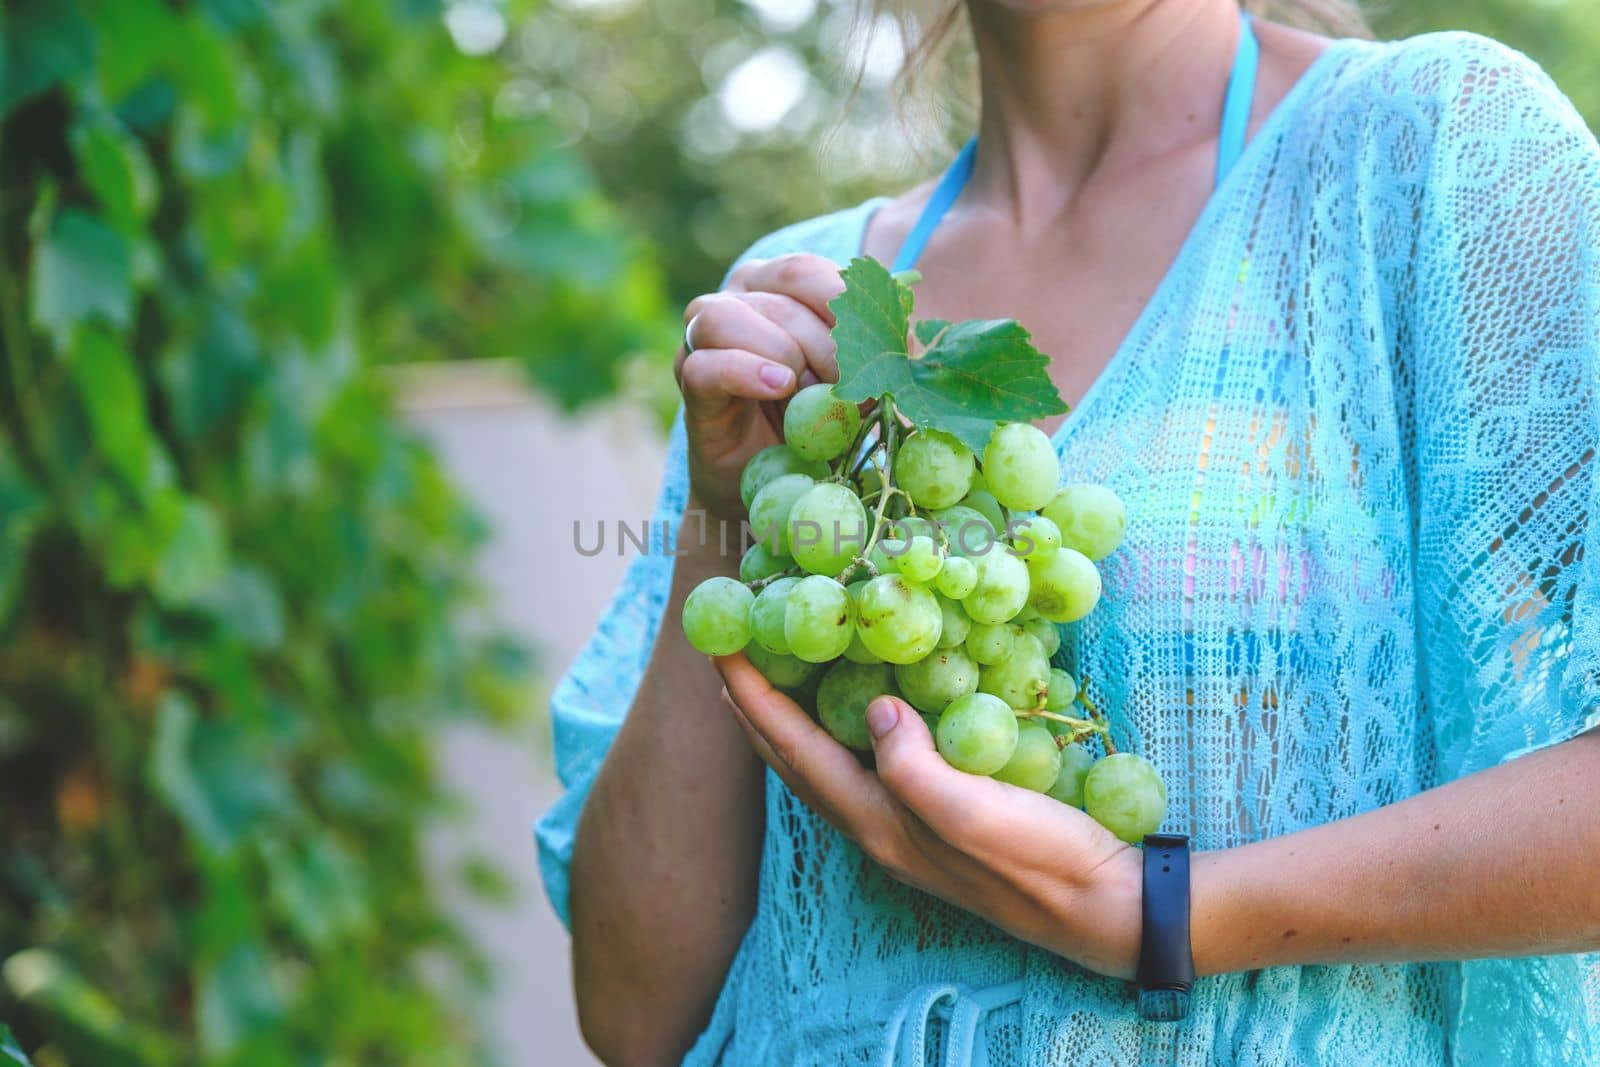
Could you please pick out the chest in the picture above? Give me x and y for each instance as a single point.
(1079, 279)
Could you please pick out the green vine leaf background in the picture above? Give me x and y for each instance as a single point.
(236, 596)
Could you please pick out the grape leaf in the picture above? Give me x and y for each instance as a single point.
(83, 269)
(971, 375)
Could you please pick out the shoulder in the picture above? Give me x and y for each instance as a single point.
(1454, 84)
(836, 236)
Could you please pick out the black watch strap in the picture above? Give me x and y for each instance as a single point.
(1166, 961)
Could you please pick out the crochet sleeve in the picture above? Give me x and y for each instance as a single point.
(1506, 339)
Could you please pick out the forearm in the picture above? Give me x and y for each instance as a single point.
(1500, 863)
(665, 863)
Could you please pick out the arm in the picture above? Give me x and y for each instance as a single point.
(665, 856)
(1499, 863)
(664, 868)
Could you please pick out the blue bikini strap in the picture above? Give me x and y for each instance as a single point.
(1236, 105)
(944, 194)
(1230, 145)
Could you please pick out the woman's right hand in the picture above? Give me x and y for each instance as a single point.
(761, 338)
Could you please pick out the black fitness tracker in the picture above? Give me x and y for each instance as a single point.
(1166, 961)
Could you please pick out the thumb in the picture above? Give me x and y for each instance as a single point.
(955, 805)
(901, 742)
(886, 714)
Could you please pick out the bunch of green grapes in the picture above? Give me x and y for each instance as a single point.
(892, 559)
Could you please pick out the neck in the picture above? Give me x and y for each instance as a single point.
(1099, 85)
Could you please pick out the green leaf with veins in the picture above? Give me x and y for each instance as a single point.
(972, 374)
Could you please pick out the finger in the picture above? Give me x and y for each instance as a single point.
(809, 331)
(711, 376)
(726, 320)
(770, 758)
(824, 766)
(812, 280)
(961, 808)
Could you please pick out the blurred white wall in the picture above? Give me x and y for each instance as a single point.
(529, 471)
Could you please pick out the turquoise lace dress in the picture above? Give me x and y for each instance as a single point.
(1355, 431)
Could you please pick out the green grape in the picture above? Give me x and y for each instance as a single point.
(870, 480)
(1044, 631)
(935, 468)
(767, 615)
(1020, 466)
(1125, 794)
(784, 671)
(1034, 535)
(989, 643)
(1063, 691)
(983, 502)
(897, 619)
(817, 620)
(981, 485)
(882, 559)
(716, 616)
(1036, 762)
(857, 652)
(827, 528)
(954, 626)
(1001, 590)
(771, 462)
(769, 512)
(759, 562)
(805, 694)
(977, 734)
(1025, 614)
(1068, 786)
(842, 701)
(893, 548)
(909, 526)
(818, 425)
(968, 533)
(957, 578)
(921, 560)
(1091, 517)
(943, 676)
(1065, 585)
(1021, 681)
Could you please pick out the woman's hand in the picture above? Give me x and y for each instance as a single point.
(1042, 871)
(764, 336)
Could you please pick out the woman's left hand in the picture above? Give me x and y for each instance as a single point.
(1040, 870)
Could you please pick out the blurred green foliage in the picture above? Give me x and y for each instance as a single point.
(10, 1054)
(236, 600)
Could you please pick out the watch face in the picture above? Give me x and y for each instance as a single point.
(1163, 1005)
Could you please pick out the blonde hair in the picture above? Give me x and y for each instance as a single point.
(936, 76)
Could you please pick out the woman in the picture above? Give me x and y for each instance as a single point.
(1329, 315)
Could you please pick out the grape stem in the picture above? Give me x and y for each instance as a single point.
(1065, 720)
(888, 422)
(761, 583)
(1100, 720)
(857, 454)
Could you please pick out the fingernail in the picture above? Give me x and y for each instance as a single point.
(776, 377)
(882, 715)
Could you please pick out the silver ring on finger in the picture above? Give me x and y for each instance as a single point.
(688, 334)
